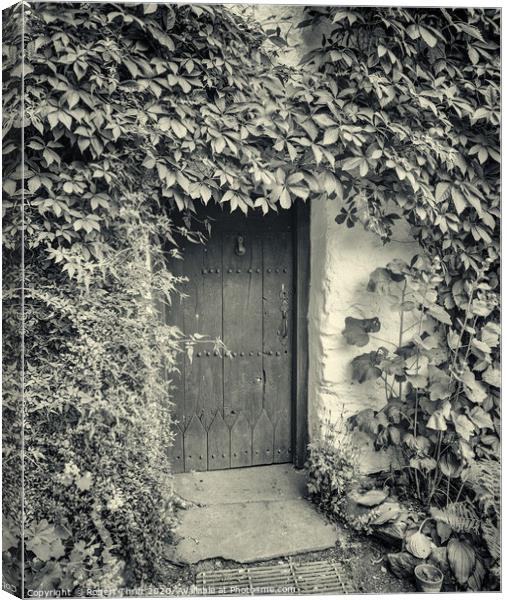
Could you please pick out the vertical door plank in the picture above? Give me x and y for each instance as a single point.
(174, 315)
(219, 452)
(177, 453)
(262, 442)
(241, 442)
(195, 446)
(282, 451)
(242, 331)
(203, 315)
(277, 342)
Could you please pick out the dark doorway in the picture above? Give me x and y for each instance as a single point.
(241, 408)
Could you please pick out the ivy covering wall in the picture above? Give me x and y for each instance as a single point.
(133, 114)
(130, 115)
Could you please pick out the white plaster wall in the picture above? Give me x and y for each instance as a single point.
(341, 262)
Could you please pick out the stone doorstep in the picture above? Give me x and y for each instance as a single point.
(249, 484)
(251, 531)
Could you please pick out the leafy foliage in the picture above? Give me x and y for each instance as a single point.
(459, 516)
(418, 139)
(332, 468)
(136, 113)
(421, 88)
(132, 114)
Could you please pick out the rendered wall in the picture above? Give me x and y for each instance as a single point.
(341, 262)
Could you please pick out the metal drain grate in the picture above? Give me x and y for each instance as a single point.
(321, 577)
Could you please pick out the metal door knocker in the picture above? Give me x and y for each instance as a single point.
(283, 330)
(240, 245)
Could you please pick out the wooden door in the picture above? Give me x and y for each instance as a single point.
(234, 409)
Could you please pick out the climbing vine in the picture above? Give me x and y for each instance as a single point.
(419, 91)
(134, 114)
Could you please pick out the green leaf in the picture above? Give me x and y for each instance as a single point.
(352, 163)
(413, 31)
(34, 184)
(461, 556)
(428, 37)
(419, 545)
(464, 427)
(179, 129)
(324, 120)
(437, 421)
(492, 376)
(442, 190)
(474, 389)
(285, 200)
(331, 136)
(386, 513)
(481, 418)
(458, 199)
(473, 55)
(356, 330)
(364, 367)
(440, 314)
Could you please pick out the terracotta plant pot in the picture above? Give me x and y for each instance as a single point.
(428, 578)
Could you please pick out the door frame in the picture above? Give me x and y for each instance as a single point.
(301, 261)
(300, 226)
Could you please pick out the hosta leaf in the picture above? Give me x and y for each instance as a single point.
(419, 545)
(444, 531)
(476, 579)
(387, 512)
(371, 498)
(461, 557)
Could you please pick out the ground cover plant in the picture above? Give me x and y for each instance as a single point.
(134, 114)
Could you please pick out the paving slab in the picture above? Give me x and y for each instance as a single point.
(254, 531)
(251, 484)
(247, 515)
